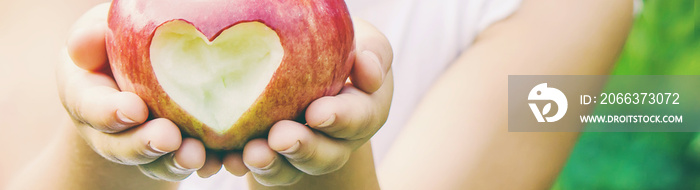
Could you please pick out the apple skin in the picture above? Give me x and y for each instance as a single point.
(317, 37)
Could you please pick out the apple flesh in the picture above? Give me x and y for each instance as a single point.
(225, 71)
(215, 81)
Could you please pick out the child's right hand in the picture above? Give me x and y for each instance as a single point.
(114, 123)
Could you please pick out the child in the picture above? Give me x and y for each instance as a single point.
(446, 129)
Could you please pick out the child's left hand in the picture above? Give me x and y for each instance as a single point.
(337, 125)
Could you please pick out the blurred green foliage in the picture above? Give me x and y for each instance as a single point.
(665, 40)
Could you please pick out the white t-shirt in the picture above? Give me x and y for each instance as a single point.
(426, 36)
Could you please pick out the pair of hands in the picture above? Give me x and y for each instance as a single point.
(115, 124)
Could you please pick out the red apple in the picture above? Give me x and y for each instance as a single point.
(224, 71)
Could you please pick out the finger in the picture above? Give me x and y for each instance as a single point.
(211, 166)
(309, 151)
(268, 167)
(139, 145)
(86, 43)
(93, 98)
(373, 59)
(191, 155)
(234, 164)
(345, 116)
(109, 110)
(353, 114)
(178, 165)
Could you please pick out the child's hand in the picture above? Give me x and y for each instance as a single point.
(337, 125)
(114, 123)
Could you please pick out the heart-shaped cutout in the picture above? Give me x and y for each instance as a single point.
(217, 81)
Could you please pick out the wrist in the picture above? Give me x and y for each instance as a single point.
(69, 163)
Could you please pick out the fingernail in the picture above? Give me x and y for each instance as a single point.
(178, 169)
(292, 149)
(123, 118)
(374, 58)
(204, 176)
(269, 165)
(263, 170)
(153, 151)
(328, 122)
(239, 173)
(148, 173)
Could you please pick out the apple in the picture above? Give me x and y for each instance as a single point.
(224, 71)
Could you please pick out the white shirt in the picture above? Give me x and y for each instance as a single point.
(426, 36)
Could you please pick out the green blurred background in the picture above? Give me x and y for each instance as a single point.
(665, 40)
